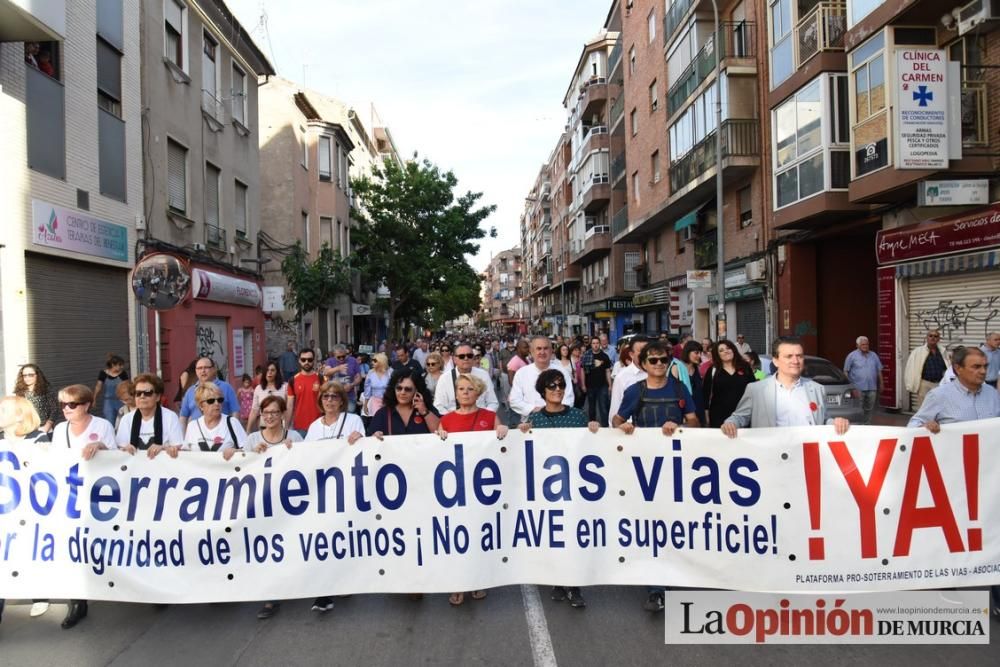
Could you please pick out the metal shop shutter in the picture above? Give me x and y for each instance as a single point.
(77, 314)
(752, 323)
(963, 307)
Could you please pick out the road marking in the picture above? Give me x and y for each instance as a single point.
(538, 630)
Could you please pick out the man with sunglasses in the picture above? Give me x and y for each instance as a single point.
(925, 367)
(206, 371)
(524, 397)
(303, 389)
(465, 364)
(658, 401)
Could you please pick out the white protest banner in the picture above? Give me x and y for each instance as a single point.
(793, 509)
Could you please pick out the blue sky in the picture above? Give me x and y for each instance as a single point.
(476, 87)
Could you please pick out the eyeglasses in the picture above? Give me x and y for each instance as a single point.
(27, 375)
(554, 386)
(71, 405)
(464, 356)
(145, 393)
(203, 368)
(270, 413)
(405, 390)
(432, 363)
(306, 360)
(213, 401)
(657, 360)
(329, 397)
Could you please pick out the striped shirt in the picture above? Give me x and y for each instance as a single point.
(953, 402)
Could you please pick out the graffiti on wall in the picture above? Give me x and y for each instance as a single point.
(211, 344)
(959, 321)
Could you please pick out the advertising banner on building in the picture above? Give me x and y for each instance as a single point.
(921, 118)
(794, 509)
(226, 289)
(969, 232)
(75, 231)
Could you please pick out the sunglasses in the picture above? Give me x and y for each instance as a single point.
(555, 385)
(329, 397)
(213, 401)
(464, 356)
(432, 363)
(72, 405)
(655, 361)
(405, 390)
(145, 393)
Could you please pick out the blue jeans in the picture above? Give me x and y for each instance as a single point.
(598, 404)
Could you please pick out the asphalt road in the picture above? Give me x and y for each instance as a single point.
(507, 628)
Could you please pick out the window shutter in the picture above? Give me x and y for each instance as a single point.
(176, 177)
(212, 196)
(241, 207)
(173, 15)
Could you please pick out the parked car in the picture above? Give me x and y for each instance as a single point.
(842, 398)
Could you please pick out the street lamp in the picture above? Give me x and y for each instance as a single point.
(720, 330)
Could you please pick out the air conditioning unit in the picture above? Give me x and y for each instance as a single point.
(756, 270)
(974, 15)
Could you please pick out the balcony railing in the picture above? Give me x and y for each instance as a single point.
(616, 55)
(705, 251)
(215, 236)
(617, 168)
(617, 109)
(975, 104)
(212, 105)
(740, 137)
(674, 16)
(619, 222)
(822, 29)
(596, 229)
(737, 42)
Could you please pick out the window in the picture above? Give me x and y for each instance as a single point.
(240, 209)
(870, 132)
(782, 60)
(305, 231)
(325, 159)
(634, 121)
(653, 97)
(654, 166)
(631, 60)
(340, 166)
(970, 51)
(239, 95)
(657, 256)
(209, 76)
(635, 186)
(212, 215)
(340, 238)
(109, 78)
(326, 232)
(651, 26)
(176, 177)
(174, 20)
(305, 147)
(746, 206)
(697, 122)
(858, 9)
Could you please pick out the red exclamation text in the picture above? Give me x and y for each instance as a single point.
(810, 461)
(970, 457)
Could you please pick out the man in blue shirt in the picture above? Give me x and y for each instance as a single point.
(992, 351)
(967, 398)
(661, 400)
(864, 368)
(288, 361)
(206, 371)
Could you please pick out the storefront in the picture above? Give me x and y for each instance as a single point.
(941, 274)
(615, 317)
(654, 305)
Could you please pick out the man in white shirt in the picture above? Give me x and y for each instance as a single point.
(444, 393)
(420, 354)
(627, 376)
(523, 398)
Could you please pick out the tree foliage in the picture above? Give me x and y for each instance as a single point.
(314, 284)
(413, 235)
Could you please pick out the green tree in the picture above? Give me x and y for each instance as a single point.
(413, 235)
(314, 284)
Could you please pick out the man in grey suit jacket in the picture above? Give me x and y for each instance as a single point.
(785, 398)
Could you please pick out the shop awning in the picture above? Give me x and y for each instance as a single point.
(686, 221)
(954, 264)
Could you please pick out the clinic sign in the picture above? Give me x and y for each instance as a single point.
(213, 286)
(921, 109)
(65, 229)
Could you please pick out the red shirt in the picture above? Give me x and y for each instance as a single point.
(305, 389)
(480, 420)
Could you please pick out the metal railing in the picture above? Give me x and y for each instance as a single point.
(617, 109)
(705, 254)
(822, 29)
(616, 55)
(212, 105)
(596, 229)
(619, 221)
(975, 104)
(215, 236)
(617, 168)
(737, 42)
(674, 16)
(739, 137)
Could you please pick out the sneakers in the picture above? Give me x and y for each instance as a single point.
(654, 602)
(575, 598)
(558, 593)
(268, 610)
(323, 604)
(39, 608)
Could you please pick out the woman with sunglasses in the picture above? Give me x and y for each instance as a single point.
(213, 432)
(272, 384)
(88, 434)
(434, 367)
(150, 427)
(447, 363)
(337, 421)
(551, 385)
(32, 385)
(406, 409)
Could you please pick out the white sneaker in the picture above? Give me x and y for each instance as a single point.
(39, 608)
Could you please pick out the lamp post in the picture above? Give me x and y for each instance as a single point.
(720, 331)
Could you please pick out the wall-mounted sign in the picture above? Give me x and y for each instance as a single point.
(977, 231)
(954, 193)
(921, 118)
(274, 299)
(871, 156)
(361, 309)
(66, 229)
(213, 286)
(699, 279)
(161, 281)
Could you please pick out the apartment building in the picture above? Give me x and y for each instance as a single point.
(72, 191)
(562, 301)
(884, 151)
(504, 305)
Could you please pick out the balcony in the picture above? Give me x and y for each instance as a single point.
(737, 43)
(822, 29)
(975, 104)
(615, 59)
(46, 123)
(593, 96)
(706, 252)
(675, 17)
(617, 168)
(595, 243)
(596, 139)
(32, 21)
(619, 223)
(617, 113)
(215, 236)
(740, 138)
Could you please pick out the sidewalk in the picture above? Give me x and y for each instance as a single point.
(883, 418)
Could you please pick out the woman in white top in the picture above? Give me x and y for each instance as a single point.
(272, 384)
(150, 426)
(375, 384)
(82, 430)
(212, 432)
(19, 421)
(336, 423)
(273, 431)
